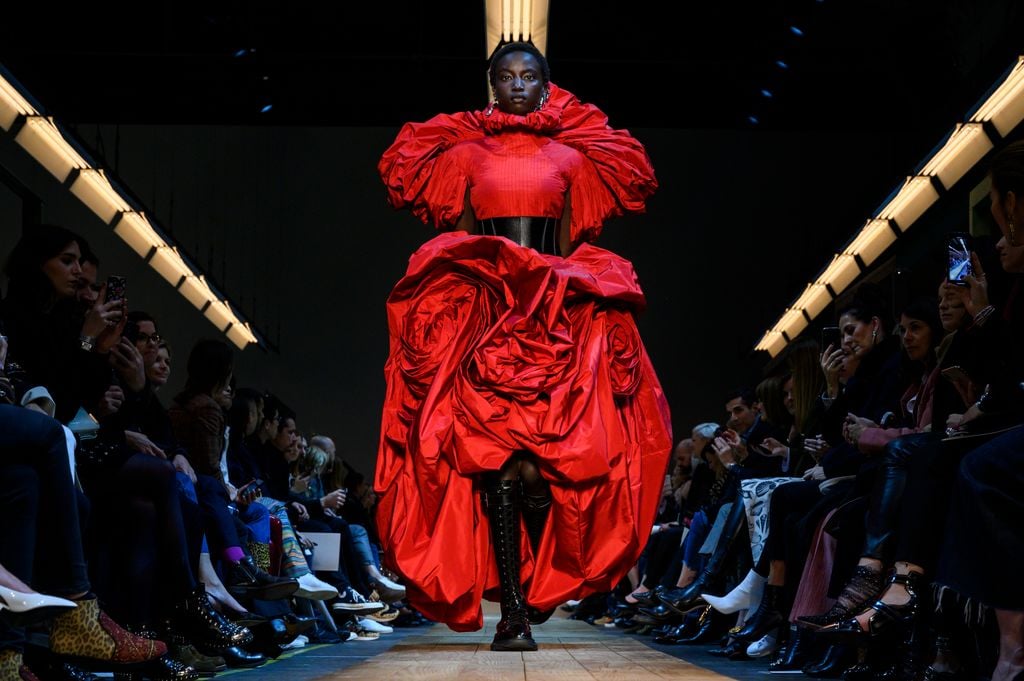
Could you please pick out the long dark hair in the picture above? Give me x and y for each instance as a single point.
(924, 309)
(209, 365)
(29, 290)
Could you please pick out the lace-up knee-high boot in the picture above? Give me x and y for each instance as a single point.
(513, 630)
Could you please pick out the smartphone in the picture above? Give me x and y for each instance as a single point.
(959, 250)
(115, 288)
(830, 335)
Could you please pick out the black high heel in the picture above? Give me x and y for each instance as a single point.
(863, 587)
(886, 622)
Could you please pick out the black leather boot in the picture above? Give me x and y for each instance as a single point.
(766, 618)
(688, 598)
(513, 630)
(836, 660)
(247, 580)
(795, 653)
(196, 620)
(536, 508)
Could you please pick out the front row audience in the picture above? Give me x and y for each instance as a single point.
(172, 545)
(860, 514)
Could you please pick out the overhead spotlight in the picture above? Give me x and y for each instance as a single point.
(241, 53)
(767, 94)
(781, 64)
(795, 30)
(754, 120)
(266, 108)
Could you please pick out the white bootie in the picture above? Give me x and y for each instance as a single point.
(746, 595)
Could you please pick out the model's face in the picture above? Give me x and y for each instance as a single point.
(741, 417)
(518, 83)
(88, 288)
(787, 396)
(951, 307)
(859, 337)
(64, 271)
(160, 369)
(916, 336)
(147, 341)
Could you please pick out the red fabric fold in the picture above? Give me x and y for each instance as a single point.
(617, 176)
(494, 349)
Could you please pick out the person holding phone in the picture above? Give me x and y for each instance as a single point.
(541, 423)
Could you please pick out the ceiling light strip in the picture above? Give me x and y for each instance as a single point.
(965, 147)
(41, 137)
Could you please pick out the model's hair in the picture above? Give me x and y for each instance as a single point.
(744, 393)
(926, 309)
(706, 430)
(769, 394)
(804, 363)
(868, 302)
(1006, 170)
(209, 365)
(529, 48)
(136, 316)
(28, 287)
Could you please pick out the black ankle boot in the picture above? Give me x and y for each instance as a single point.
(836, 660)
(794, 655)
(535, 509)
(196, 620)
(766, 618)
(513, 630)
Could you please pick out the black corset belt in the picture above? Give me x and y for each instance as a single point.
(540, 234)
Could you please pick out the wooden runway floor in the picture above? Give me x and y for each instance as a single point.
(569, 651)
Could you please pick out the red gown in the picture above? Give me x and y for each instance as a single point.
(497, 348)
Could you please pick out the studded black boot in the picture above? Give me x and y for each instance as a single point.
(513, 630)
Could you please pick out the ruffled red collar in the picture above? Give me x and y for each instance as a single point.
(545, 120)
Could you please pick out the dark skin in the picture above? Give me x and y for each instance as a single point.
(518, 84)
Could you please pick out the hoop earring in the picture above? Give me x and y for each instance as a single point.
(490, 108)
(543, 99)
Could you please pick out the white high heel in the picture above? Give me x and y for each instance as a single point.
(21, 608)
(747, 594)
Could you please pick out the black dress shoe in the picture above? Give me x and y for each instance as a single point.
(237, 657)
(244, 619)
(246, 579)
(731, 647)
(164, 668)
(660, 614)
(295, 625)
(685, 599)
(711, 625)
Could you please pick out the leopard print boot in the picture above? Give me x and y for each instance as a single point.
(12, 668)
(88, 633)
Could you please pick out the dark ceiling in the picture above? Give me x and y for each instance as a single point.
(794, 64)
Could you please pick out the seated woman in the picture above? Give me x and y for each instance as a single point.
(38, 499)
(136, 509)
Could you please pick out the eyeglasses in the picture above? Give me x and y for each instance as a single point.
(147, 338)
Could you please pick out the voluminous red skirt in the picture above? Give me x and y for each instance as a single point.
(494, 349)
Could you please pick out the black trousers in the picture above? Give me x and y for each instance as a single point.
(145, 540)
(41, 536)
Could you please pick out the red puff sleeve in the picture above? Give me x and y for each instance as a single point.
(420, 176)
(620, 175)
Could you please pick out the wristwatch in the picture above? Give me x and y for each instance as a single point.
(87, 342)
